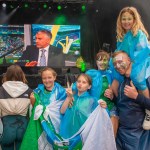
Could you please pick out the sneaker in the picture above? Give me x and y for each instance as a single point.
(146, 123)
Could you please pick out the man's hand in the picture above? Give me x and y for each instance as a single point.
(31, 64)
(130, 91)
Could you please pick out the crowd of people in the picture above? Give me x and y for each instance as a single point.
(107, 108)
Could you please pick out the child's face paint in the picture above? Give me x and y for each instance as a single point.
(102, 64)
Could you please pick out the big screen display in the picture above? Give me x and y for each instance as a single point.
(15, 38)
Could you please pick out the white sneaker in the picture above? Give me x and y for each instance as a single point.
(146, 123)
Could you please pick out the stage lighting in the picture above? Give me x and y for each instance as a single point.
(4, 5)
(61, 19)
(83, 8)
(59, 7)
(65, 6)
(26, 5)
(44, 6)
(11, 6)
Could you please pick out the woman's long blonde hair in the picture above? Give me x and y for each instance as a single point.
(138, 25)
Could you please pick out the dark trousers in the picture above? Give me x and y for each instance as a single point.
(14, 128)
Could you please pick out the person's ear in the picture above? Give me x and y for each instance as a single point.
(54, 78)
(89, 87)
(48, 40)
(128, 59)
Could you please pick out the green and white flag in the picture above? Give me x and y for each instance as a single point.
(96, 133)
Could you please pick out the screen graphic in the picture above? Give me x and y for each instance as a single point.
(15, 38)
(11, 43)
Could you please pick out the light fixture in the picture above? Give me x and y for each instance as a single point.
(26, 5)
(59, 7)
(83, 8)
(44, 6)
(11, 6)
(65, 6)
(4, 5)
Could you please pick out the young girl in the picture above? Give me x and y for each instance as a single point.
(51, 95)
(14, 104)
(132, 38)
(106, 94)
(49, 92)
(83, 105)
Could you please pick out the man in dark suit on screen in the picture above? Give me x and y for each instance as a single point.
(42, 54)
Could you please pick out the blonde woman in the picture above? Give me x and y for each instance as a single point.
(132, 38)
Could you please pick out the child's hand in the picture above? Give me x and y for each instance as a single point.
(102, 103)
(69, 92)
(109, 93)
(32, 99)
(70, 96)
(71, 102)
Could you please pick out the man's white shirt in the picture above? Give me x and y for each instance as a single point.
(46, 54)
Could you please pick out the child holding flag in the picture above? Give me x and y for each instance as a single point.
(47, 100)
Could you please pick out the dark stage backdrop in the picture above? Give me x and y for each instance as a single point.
(98, 23)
